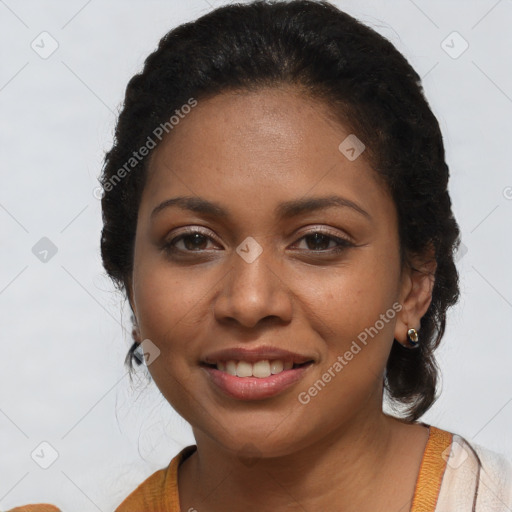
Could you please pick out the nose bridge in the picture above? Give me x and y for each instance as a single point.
(252, 289)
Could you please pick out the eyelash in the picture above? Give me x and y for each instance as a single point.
(343, 244)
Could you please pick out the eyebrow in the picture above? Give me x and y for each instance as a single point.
(284, 210)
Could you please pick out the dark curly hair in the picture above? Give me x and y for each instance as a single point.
(368, 85)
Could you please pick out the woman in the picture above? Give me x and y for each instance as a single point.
(276, 210)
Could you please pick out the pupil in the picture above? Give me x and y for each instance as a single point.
(319, 237)
(197, 241)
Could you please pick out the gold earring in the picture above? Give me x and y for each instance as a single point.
(412, 336)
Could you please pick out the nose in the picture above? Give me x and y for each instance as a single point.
(252, 293)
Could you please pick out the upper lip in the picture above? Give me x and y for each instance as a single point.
(253, 355)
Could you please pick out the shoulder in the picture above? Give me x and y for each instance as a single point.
(475, 478)
(160, 490)
(41, 507)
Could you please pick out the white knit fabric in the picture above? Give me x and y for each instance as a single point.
(469, 487)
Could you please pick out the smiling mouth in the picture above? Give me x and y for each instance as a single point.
(260, 369)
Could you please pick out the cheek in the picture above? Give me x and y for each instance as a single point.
(163, 298)
(168, 309)
(356, 309)
(352, 298)
(165, 303)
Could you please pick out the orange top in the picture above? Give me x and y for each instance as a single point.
(160, 491)
(432, 470)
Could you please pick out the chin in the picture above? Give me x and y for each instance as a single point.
(259, 443)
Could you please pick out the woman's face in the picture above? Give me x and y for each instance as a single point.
(297, 250)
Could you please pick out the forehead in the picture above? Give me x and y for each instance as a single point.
(254, 145)
(265, 121)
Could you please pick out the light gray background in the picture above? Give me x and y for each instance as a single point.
(63, 345)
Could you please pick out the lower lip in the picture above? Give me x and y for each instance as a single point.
(255, 388)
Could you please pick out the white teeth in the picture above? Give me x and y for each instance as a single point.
(260, 369)
(230, 367)
(276, 366)
(243, 369)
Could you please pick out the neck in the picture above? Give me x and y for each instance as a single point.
(342, 468)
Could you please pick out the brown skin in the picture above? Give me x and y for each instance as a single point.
(249, 152)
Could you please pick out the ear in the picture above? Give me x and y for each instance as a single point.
(417, 283)
(128, 287)
(135, 326)
(136, 337)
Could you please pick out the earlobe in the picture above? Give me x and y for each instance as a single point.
(416, 295)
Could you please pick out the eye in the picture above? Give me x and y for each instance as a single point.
(192, 240)
(319, 241)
